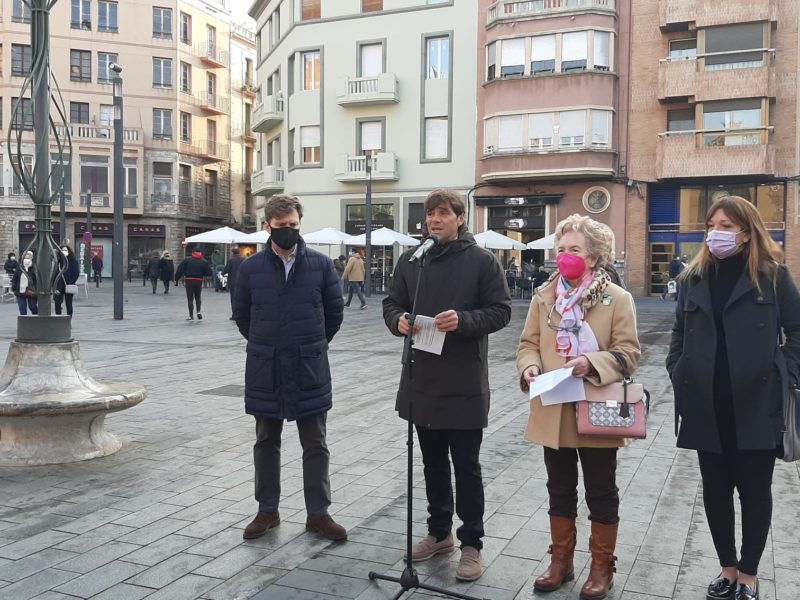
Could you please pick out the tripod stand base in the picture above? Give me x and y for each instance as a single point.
(409, 580)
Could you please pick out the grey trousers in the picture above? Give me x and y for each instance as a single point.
(267, 461)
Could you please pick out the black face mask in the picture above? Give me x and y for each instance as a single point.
(285, 237)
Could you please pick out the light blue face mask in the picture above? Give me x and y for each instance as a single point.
(722, 244)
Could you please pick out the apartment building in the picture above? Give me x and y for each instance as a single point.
(346, 83)
(714, 104)
(552, 116)
(243, 138)
(176, 70)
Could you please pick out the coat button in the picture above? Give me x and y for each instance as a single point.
(761, 325)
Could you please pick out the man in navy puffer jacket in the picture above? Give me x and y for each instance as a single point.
(288, 306)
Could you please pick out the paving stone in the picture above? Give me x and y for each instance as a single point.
(227, 565)
(34, 544)
(168, 570)
(20, 569)
(159, 550)
(245, 584)
(652, 578)
(155, 531)
(329, 583)
(187, 587)
(35, 584)
(124, 591)
(99, 579)
(97, 557)
(90, 521)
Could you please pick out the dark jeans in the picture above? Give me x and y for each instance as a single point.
(154, 283)
(66, 298)
(193, 290)
(98, 277)
(25, 303)
(599, 467)
(750, 473)
(166, 286)
(464, 446)
(355, 286)
(267, 462)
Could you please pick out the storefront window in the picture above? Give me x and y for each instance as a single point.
(770, 204)
(746, 191)
(380, 212)
(693, 209)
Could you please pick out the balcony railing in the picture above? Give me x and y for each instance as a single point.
(212, 54)
(267, 181)
(268, 114)
(213, 150)
(130, 201)
(707, 13)
(92, 132)
(354, 168)
(56, 202)
(244, 33)
(249, 89)
(97, 200)
(503, 10)
(377, 89)
(214, 103)
(162, 198)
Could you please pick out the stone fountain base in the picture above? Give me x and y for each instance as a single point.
(52, 411)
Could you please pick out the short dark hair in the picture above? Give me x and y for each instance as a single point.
(281, 205)
(448, 197)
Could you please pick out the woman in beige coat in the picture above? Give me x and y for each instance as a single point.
(577, 319)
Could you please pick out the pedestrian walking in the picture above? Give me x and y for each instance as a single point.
(288, 307)
(465, 288)
(217, 265)
(11, 264)
(151, 271)
(166, 269)
(23, 284)
(97, 269)
(231, 269)
(65, 283)
(339, 264)
(729, 378)
(194, 270)
(578, 319)
(354, 274)
(676, 267)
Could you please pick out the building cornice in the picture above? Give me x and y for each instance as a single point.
(257, 8)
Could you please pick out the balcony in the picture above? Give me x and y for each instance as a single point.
(714, 154)
(213, 150)
(354, 168)
(97, 200)
(268, 114)
(249, 89)
(678, 14)
(378, 89)
(686, 79)
(212, 55)
(162, 198)
(213, 103)
(130, 201)
(245, 134)
(511, 10)
(571, 159)
(56, 202)
(267, 181)
(90, 132)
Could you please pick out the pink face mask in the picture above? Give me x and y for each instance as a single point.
(571, 266)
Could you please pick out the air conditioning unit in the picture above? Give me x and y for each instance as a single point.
(248, 219)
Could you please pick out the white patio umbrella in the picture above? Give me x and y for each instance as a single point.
(548, 242)
(259, 237)
(223, 235)
(383, 237)
(497, 241)
(328, 236)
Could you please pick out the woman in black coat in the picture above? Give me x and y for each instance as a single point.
(729, 377)
(23, 284)
(166, 270)
(70, 277)
(153, 269)
(11, 264)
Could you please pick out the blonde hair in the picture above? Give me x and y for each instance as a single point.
(599, 237)
(762, 254)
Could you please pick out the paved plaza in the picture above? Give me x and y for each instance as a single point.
(163, 518)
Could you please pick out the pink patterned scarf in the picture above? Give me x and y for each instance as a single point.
(574, 336)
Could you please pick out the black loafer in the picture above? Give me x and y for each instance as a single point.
(721, 588)
(745, 592)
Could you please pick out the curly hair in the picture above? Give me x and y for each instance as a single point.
(599, 237)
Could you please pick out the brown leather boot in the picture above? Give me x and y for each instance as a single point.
(564, 535)
(601, 573)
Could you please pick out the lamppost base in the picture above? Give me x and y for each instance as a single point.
(46, 330)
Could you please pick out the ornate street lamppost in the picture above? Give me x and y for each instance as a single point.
(119, 191)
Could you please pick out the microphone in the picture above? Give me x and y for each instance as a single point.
(424, 248)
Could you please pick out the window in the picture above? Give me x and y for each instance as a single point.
(79, 112)
(248, 71)
(572, 128)
(162, 72)
(370, 138)
(131, 179)
(162, 123)
(94, 174)
(186, 77)
(310, 145)
(211, 136)
(732, 114)
(540, 130)
(23, 117)
(770, 205)
(512, 57)
(680, 120)
(210, 185)
(107, 16)
(275, 36)
(81, 14)
(438, 58)
(211, 40)
(601, 128)
(186, 127)
(162, 181)
(27, 169)
(491, 61)
(80, 65)
(162, 22)
(573, 51)
(602, 50)
(186, 28)
(371, 60)
(543, 54)
(211, 87)
(311, 70)
(184, 181)
(509, 133)
(106, 120)
(728, 39)
(104, 72)
(436, 138)
(21, 59)
(371, 5)
(21, 12)
(311, 9)
(683, 49)
(61, 172)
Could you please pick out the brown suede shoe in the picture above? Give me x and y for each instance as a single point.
(263, 522)
(470, 565)
(428, 547)
(326, 527)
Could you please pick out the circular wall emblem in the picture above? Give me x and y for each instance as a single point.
(596, 199)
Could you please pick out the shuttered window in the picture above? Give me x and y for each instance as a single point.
(371, 60)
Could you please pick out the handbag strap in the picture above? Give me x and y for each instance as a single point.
(624, 410)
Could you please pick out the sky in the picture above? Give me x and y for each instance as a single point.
(239, 9)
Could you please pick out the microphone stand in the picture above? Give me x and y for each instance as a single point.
(409, 579)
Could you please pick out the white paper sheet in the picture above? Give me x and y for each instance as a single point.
(557, 387)
(428, 338)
